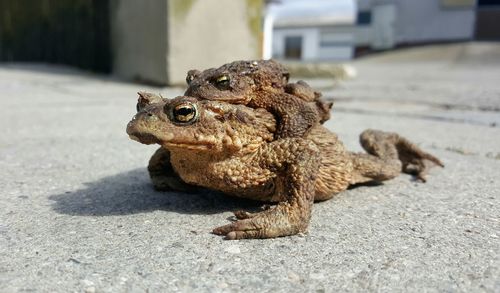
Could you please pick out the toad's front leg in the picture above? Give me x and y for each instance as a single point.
(297, 161)
(295, 115)
(163, 175)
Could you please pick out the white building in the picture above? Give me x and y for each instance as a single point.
(306, 30)
(383, 24)
(316, 30)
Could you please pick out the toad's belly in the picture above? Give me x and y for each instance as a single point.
(232, 178)
(258, 188)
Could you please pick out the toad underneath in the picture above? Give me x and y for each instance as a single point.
(231, 148)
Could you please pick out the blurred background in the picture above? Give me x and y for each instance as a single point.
(157, 41)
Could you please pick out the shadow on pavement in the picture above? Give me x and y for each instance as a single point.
(132, 192)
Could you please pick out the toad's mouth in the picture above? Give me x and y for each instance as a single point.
(151, 139)
(189, 146)
(144, 138)
(196, 142)
(168, 139)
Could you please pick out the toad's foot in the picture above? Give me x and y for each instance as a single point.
(281, 220)
(417, 162)
(388, 155)
(242, 215)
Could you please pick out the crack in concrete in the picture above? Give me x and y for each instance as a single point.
(415, 116)
(464, 152)
(442, 106)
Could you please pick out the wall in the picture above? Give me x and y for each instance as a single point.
(397, 22)
(428, 20)
(312, 37)
(139, 38)
(384, 17)
(158, 41)
(209, 33)
(310, 41)
(336, 43)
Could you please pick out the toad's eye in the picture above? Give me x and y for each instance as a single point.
(185, 113)
(222, 82)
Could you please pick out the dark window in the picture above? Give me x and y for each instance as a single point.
(293, 47)
(488, 2)
(364, 17)
(487, 24)
(73, 32)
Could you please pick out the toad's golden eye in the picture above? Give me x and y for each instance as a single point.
(185, 113)
(222, 82)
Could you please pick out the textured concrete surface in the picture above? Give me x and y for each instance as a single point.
(78, 212)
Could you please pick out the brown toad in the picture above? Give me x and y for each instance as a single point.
(231, 148)
(262, 84)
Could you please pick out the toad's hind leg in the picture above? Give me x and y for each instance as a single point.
(297, 160)
(163, 175)
(388, 155)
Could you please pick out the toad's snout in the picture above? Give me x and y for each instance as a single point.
(138, 128)
(147, 116)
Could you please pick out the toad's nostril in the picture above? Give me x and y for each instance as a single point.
(151, 117)
(148, 115)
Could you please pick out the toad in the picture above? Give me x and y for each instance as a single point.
(262, 84)
(231, 148)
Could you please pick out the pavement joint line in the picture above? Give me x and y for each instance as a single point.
(416, 116)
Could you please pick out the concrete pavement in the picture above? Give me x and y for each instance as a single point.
(78, 212)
